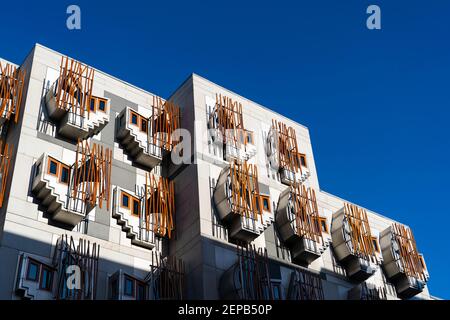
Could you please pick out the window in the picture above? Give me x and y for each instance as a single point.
(53, 167)
(276, 291)
(302, 159)
(134, 118)
(46, 278)
(125, 200)
(102, 105)
(32, 270)
(92, 104)
(376, 247)
(64, 177)
(140, 292)
(143, 125)
(266, 203)
(323, 225)
(249, 137)
(135, 209)
(128, 287)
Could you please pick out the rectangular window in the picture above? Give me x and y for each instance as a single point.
(276, 291)
(302, 158)
(266, 203)
(128, 287)
(32, 270)
(64, 177)
(125, 203)
(323, 225)
(376, 247)
(46, 278)
(135, 208)
(92, 105)
(52, 167)
(134, 118)
(143, 125)
(250, 137)
(102, 105)
(140, 292)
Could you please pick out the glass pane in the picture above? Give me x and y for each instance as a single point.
(140, 292)
(53, 167)
(125, 200)
(32, 273)
(46, 280)
(136, 207)
(102, 105)
(64, 175)
(134, 118)
(92, 105)
(129, 287)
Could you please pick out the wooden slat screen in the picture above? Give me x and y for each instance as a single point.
(5, 162)
(287, 147)
(164, 121)
(11, 90)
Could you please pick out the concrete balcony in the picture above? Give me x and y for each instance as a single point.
(133, 136)
(359, 266)
(407, 283)
(75, 122)
(130, 216)
(241, 227)
(51, 185)
(304, 248)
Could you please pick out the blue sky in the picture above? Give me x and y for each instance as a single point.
(377, 103)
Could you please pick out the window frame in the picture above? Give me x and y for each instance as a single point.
(50, 271)
(249, 134)
(266, 198)
(94, 99)
(300, 157)
(38, 272)
(61, 167)
(323, 223)
(133, 289)
(132, 112)
(123, 193)
(98, 104)
(376, 245)
(142, 119)
(50, 160)
(133, 200)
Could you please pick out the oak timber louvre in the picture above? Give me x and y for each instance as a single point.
(306, 213)
(245, 198)
(289, 157)
(92, 174)
(160, 206)
(5, 162)
(11, 89)
(74, 87)
(409, 256)
(84, 256)
(166, 278)
(305, 285)
(359, 232)
(164, 121)
(230, 121)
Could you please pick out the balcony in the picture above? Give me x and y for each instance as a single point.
(283, 155)
(299, 224)
(35, 278)
(11, 90)
(403, 265)
(147, 139)
(71, 105)
(353, 243)
(239, 204)
(226, 129)
(70, 191)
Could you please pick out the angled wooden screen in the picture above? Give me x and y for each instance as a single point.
(5, 162)
(11, 90)
(230, 121)
(164, 121)
(287, 147)
(305, 285)
(306, 213)
(160, 205)
(361, 236)
(74, 87)
(92, 174)
(166, 278)
(409, 255)
(245, 198)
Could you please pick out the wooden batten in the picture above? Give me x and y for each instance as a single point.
(165, 120)
(287, 147)
(11, 90)
(230, 120)
(5, 163)
(74, 90)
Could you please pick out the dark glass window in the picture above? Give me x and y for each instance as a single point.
(140, 291)
(323, 224)
(32, 271)
(266, 204)
(92, 105)
(65, 175)
(303, 160)
(375, 245)
(135, 207)
(46, 278)
(276, 292)
(53, 169)
(129, 287)
(102, 105)
(144, 125)
(125, 200)
(134, 118)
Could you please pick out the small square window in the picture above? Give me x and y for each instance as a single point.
(46, 278)
(128, 287)
(125, 200)
(64, 178)
(134, 118)
(135, 210)
(32, 270)
(102, 105)
(143, 125)
(53, 167)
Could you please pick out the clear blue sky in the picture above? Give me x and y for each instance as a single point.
(377, 103)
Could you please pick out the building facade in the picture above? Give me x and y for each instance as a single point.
(111, 192)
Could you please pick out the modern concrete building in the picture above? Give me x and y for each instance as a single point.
(98, 181)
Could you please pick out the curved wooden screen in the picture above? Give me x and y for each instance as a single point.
(287, 147)
(11, 90)
(160, 205)
(92, 174)
(164, 121)
(230, 121)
